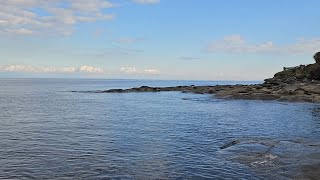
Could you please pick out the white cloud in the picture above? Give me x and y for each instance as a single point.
(147, 1)
(128, 70)
(235, 39)
(119, 51)
(49, 16)
(91, 6)
(46, 69)
(152, 71)
(303, 46)
(132, 70)
(90, 69)
(22, 31)
(129, 40)
(53, 17)
(189, 58)
(238, 44)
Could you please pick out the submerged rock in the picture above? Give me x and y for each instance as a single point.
(229, 144)
(276, 158)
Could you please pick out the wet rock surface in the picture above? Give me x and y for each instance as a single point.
(276, 158)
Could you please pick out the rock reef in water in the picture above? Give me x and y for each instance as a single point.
(294, 84)
(274, 158)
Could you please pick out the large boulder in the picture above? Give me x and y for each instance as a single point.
(313, 71)
(317, 57)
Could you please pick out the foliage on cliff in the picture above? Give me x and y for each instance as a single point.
(299, 73)
(302, 73)
(317, 57)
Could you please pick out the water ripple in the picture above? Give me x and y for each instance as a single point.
(47, 132)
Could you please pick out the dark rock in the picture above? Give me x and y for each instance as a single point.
(114, 91)
(311, 89)
(313, 71)
(229, 144)
(317, 57)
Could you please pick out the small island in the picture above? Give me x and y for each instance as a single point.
(293, 84)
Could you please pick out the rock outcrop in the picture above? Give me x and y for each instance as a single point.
(295, 84)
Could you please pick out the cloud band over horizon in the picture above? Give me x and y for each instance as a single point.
(48, 69)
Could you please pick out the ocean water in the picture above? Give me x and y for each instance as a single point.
(49, 132)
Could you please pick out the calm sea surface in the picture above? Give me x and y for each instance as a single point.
(49, 132)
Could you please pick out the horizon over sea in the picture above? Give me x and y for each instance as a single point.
(48, 131)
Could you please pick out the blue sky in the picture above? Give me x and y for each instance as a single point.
(156, 39)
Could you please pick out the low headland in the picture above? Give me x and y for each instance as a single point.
(293, 84)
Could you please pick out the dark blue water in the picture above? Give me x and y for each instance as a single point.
(48, 132)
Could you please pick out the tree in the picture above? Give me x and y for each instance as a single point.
(317, 57)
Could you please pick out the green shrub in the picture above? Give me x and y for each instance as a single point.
(317, 57)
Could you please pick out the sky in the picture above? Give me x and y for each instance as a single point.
(156, 39)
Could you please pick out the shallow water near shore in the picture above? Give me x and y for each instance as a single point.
(49, 132)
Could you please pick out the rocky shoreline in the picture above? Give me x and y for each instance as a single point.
(293, 93)
(294, 84)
